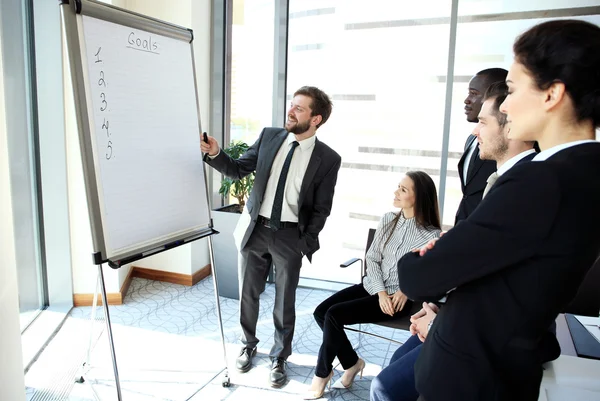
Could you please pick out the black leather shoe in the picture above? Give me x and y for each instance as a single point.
(243, 363)
(278, 373)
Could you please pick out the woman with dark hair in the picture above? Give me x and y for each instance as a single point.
(378, 297)
(554, 84)
(519, 259)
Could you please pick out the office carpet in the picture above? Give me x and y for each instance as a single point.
(168, 347)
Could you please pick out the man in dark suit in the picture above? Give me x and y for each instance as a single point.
(473, 171)
(396, 382)
(289, 204)
(529, 259)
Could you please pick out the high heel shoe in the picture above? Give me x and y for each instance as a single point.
(314, 394)
(351, 374)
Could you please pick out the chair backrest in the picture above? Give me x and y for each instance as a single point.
(402, 323)
(370, 238)
(587, 300)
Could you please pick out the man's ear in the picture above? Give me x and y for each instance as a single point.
(316, 120)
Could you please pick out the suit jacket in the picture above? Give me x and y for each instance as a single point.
(526, 159)
(517, 261)
(316, 191)
(479, 171)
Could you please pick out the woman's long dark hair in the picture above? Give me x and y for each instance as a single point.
(427, 212)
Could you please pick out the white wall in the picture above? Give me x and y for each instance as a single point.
(12, 383)
(197, 16)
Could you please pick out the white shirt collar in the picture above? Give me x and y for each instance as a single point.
(512, 161)
(546, 154)
(305, 143)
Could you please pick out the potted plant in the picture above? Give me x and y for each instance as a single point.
(239, 189)
(225, 219)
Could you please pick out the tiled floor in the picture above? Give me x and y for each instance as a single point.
(168, 347)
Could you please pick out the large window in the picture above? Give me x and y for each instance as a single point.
(252, 52)
(482, 44)
(23, 156)
(384, 66)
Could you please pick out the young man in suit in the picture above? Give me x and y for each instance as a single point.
(492, 136)
(289, 204)
(396, 382)
(472, 170)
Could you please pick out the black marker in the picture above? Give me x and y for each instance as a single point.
(205, 137)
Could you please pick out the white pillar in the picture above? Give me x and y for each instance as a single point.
(12, 381)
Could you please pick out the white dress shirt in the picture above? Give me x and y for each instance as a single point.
(467, 162)
(510, 163)
(382, 261)
(545, 154)
(289, 211)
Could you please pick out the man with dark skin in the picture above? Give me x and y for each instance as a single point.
(472, 170)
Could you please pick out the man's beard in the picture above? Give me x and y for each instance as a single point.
(299, 128)
(500, 151)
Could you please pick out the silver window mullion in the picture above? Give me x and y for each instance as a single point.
(280, 62)
(448, 108)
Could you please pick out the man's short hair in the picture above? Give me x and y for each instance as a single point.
(492, 75)
(321, 103)
(497, 91)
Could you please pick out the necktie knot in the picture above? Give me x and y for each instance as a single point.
(492, 178)
(490, 183)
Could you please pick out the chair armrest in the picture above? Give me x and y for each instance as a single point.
(351, 261)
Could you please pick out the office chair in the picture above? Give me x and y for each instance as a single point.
(401, 323)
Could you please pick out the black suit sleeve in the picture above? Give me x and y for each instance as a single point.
(507, 228)
(323, 200)
(240, 168)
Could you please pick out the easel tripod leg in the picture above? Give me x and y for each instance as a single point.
(109, 330)
(226, 382)
(86, 364)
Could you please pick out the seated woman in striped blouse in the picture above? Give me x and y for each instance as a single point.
(378, 297)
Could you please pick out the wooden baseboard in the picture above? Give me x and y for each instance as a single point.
(126, 284)
(201, 274)
(116, 298)
(169, 277)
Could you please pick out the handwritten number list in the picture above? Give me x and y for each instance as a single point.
(105, 128)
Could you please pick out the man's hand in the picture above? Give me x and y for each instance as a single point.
(422, 312)
(428, 246)
(421, 325)
(385, 303)
(212, 147)
(398, 300)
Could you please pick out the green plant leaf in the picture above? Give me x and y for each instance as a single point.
(239, 189)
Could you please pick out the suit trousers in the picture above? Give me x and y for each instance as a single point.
(351, 305)
(397, 381)
(266, 247)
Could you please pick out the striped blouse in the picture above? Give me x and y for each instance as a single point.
(382, 263)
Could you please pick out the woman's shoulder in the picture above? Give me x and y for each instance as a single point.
(389, 216)
(431, 232)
